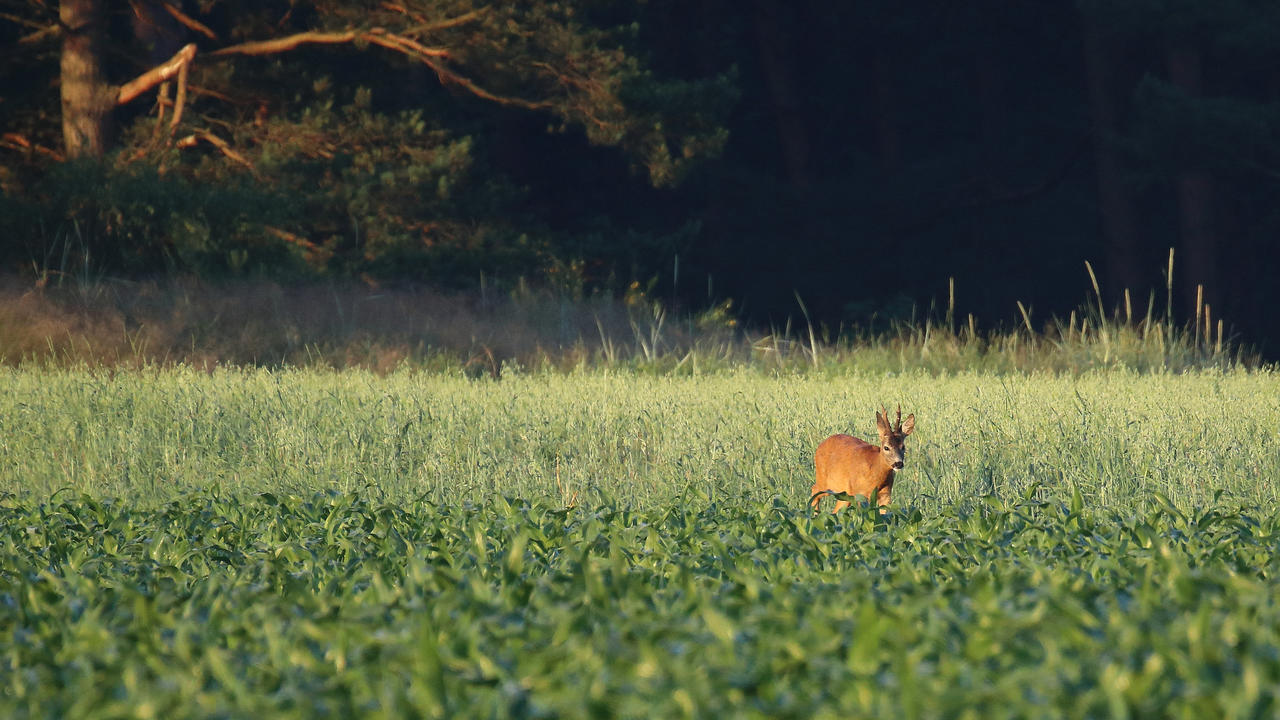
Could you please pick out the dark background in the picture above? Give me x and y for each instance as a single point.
(875, 151)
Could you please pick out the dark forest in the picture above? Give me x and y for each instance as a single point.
(857, 156)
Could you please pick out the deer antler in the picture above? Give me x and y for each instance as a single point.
(898, 425)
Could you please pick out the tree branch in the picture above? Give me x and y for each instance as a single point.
(285, 44)
(214, 140)
(51, 31)
(16, 141)
(162, 101)
(181, 98)
(428, 56)
(448, 76)
(19, 20)
(315, 253)
(447, 24)
(429, 26)
(155, 75)
(399, 43)
(188, 21)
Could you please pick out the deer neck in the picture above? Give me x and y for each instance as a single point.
(886, 474)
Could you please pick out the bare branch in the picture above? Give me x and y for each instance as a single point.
(181, 98)
(428, 56)
(399, 43)
(425, 25)
(315, 252)
(16, 141)
(190, 22)
(207, 92)
(214, 140)
(155, 75)
(52, 31)
(162, 101)
(285, 44)
(448, 76)
(446, 24)
(19, 20)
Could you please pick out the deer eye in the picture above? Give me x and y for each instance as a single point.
(886, 448)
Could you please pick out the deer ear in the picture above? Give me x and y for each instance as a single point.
(909, 424)
(882, 424)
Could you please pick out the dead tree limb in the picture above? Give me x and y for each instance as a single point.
(285, 44)
(156, 75)
(17, 141)
(181, 98)
(189, 22)
(222, 146)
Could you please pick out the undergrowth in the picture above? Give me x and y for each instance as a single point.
(107, 323)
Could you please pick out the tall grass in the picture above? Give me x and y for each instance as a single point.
(607, 437)
(258, 323)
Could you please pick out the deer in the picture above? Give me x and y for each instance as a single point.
(849, 465)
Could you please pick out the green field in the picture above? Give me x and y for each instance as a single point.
(290, 544)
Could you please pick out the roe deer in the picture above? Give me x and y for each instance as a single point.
(848, 465)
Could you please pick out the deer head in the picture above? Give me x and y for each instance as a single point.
(892, 437)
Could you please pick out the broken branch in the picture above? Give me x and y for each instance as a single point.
(155, 75)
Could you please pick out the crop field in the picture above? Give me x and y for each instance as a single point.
(295, 544)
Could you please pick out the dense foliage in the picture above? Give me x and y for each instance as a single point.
(861, 154)
(331, 604)
(372, 134)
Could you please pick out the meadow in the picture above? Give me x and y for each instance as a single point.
(291, 543)
(627, 438)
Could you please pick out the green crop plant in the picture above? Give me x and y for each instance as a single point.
(255, 543)
(334, 605)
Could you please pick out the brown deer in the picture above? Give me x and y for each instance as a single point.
(848, 465)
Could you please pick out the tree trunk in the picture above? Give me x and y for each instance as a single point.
(1195, 195)
(86, 96)
(1115, 205)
